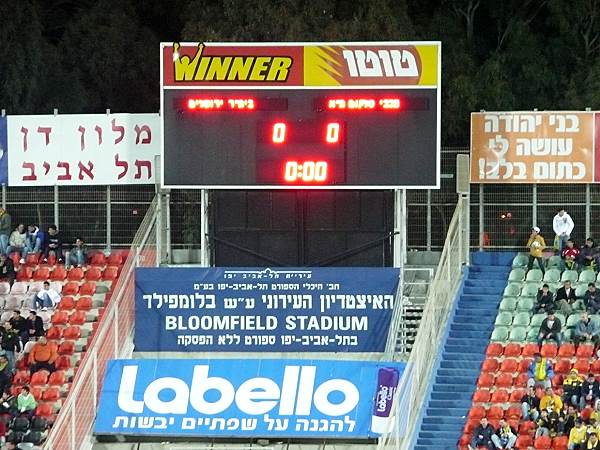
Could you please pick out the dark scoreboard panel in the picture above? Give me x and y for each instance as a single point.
(300, 138)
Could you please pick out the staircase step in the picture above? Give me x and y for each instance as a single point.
(462, 373)
(446, 356)
(473, 326)
(446, 420)
(460, 404)
(428, 427)
(439, 441)
(451, 396)
(448, 412)
(452, 388)
(466, 334)
(462, 365)
(465, 343)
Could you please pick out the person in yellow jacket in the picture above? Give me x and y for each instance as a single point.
(536, 246)
(572, 387)
(577, 436)
(551, 402)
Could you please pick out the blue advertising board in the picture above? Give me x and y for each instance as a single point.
(248, 398)
(3, 152)
(264, 310)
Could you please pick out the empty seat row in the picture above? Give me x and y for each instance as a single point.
(564, 365)
(552, 276)
(97, 259)
(60, 273)
(567, 350)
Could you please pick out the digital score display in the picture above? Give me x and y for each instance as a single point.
(273, 138)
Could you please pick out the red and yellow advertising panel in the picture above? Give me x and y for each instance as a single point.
(533, 147)
(298, 65)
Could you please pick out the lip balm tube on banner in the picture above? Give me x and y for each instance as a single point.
(387, 383)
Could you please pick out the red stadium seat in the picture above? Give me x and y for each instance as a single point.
(54, 333)
(42, 274)
(516, 395)
(465, 439)
(560, 443)
(57, 378)
(549, 350)
(562, 366)
(542, 443)
(509, 365)
(24, 274)
(524, 365)
(567, 350)
(63, 362)
(87, 288)
(40, 378)
(485, 380)
(66, 303)
(84, 304)
(527, 426)
(93, 274)
(98, 259)
(37, 393)
(70, 288)
(32, 259)
(112, 272)
(22, 377)
(529, 350)
(75, 274)
(471, 425)
(72, 332)
(44, 410)
(51, 259)
(585, 351)
(514, 412)
(512, 349)
(60, 318)
(582, 365)
(494, 349)
(524, 441)
(59, 273)
(21, 364)
(500, 396)
(77, 318)
(504, 380)
(521, 380)
(477, 412)
(51, 394)
(495, 413)
(114, 259)
(66, 348)
(490, 365)
(16, 259)
(595, 367)
(481, 396)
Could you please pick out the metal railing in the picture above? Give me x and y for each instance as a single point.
(419, 368)
(112, 339)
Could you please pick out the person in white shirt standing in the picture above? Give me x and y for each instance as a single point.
(563, 227)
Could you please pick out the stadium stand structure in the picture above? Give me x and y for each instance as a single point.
(463, 351)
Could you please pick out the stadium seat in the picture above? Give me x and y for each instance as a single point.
(595, 367)
(93, 274)
(562, 366)
(60, 318)
(504, 319)
(587, 276)
(21, 364)
(4, 287)
(512, 290)
(15, 258)
(536, 320)
(71, 288)
(524, 441)
(517, 334)
(98, 259)
(75, 274)
(528, 426)
(508, 304)
(517, 275)
(530, 290)
(500, 334)
(87, 288)
(470, 425)
(25, 273)
(481, 396)
(73, 332)
(477, 412)
(512, 349)
(570, 275)
(521, 260)
(42, 274)
(114, 259)
(499, 396)
(509, 365)
(552, 276)
(504, 380)
(494, 349)
(560, 443)
(66, 303)
(37, 392)
(582, 365)
(77, 318)
(51, 394)
(54, 333)
(521, 319)
(495, 412)
(521, 380)
(534, 276)
(549, 350)
(59, 273)
(530, 350)
(63, 362)
(524, 365)
(485, 380)
(57, 378)
(525, 303)
(513, 412)
(516, 395)
(553, 262)
(490, 365)
(66, 348)
(22, 377)
(585, 351)
(32, 259)
(84, 304)
(13, 302)
(44, 410)
(110, 273)
(40, 378)
(542, 443)
(572, 320)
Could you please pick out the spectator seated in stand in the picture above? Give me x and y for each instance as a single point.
(550, 329)
(572, 388)
(570, 419)
(590, 392)
(566, 299)
(593, 442)
(482, 435)
(551, 401)
(19, 323)
(505, 436)
(53, 244)
(544, 300)
(591, 299)
(7, 269)
(17, 242)
(7, 403)
(76, 256)
(540, 372)
(42, 356)
(548, 423)
(586, 330)
(570, 256)
(530, 404)
(5, 230)
(25, 404)
(588, 255)
(35, 326)
(5, 374)
(45, 298)
(34, 240)
(10, 342)
(578, 436)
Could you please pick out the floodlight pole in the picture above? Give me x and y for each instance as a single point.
(399, 257)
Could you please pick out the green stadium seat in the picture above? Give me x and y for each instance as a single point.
(508, 304)
(537, 320)
(568, 334)
(517, 334)
(552, 276)
(525, 303)
(500, 334)
(530, 290)
(512, 289)
(587, 276)
(520, 261)
(561, 317)
(580, 290)
(517, 274)
(521, 319)
(595, 318)
(504, 319)
(554, 261)
(532, 334)
(534, 275)
(572, 320)
(570, 275)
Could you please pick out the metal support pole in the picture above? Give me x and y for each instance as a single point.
(481, 219)
(534, 206)
(466, 228)
(428, 220)
(168, 226)
(108, 217)
(158, 223)
(204, 250)
(56, 221)
(588, 210)
(399, 227)
(4, 196)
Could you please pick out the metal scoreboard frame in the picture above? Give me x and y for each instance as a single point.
(367, 75)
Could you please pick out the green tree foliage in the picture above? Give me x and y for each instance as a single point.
(88, 55)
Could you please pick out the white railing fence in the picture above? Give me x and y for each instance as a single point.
(112, 339)
(419, 369)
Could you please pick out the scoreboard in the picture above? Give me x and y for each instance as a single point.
(343, 116)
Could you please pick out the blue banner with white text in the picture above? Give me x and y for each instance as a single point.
(3, 152)
(264, 310)
(248, 398)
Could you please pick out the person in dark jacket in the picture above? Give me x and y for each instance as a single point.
(530, 404)
(482, 435)
(35, 325)
(550, 329)
(10, 341)
(53, 244)
(590, 391)
(565, 298)
(591, 299)
(18, 322)
(505, 436)
(588, 255)
(7, 269)
(5, 230)
(544, 300)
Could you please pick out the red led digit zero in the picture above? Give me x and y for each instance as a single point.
(279, 130)
(332, 135)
